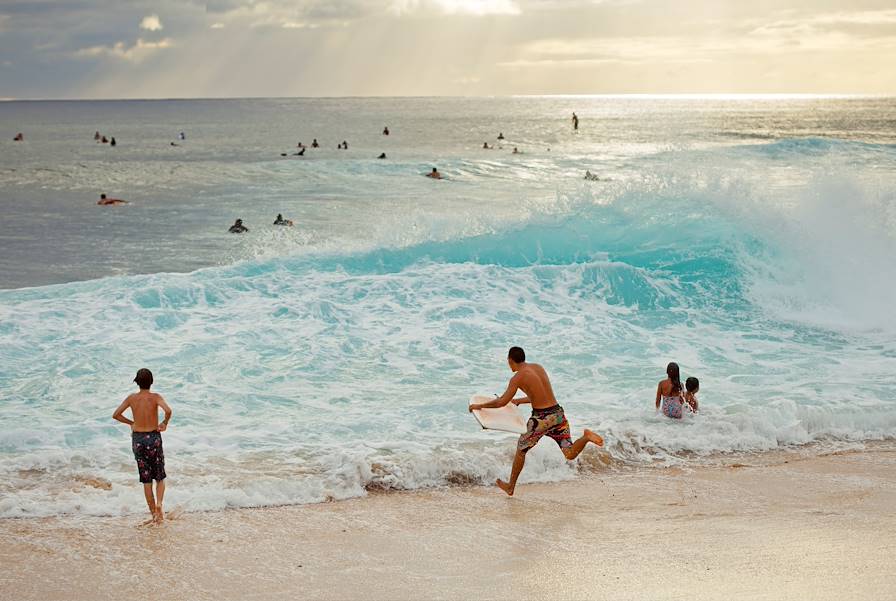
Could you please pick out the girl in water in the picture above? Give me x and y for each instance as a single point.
(669, 393)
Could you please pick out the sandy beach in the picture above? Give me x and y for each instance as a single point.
(781, 526)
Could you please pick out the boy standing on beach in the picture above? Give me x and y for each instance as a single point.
(547, 416)
(146, 439)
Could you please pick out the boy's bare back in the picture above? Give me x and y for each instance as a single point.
(145, 407)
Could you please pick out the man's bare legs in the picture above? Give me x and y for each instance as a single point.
(159, 514)
(518, 461)
(570, 453)
(577, 447)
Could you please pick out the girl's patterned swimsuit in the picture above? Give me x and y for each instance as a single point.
(672, 406)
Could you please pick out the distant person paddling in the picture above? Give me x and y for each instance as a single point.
(238, 227)
(146, 439)
(104, 201)
(547, 416)
(434, 174)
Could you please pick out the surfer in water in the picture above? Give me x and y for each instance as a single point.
(104, 201)
(547, 416)
(434, 174)
(238, 227)
(281, 221)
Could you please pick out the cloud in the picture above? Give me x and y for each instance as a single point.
(456, 7)
(151, 23)
(135, 53)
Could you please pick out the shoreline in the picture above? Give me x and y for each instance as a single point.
(816, 527)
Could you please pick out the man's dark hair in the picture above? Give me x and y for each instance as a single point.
(692, 384)
(516, 354)
(143, 378)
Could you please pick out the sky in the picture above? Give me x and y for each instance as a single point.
(268, 48)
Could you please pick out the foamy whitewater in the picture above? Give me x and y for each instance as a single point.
(750, 240)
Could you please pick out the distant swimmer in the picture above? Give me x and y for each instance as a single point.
(173, 144)
(281, 221)
(575, 121)
(344, 145)
(20, 137)
(112, 141)
(382, 155)
(669, 393)
(547, 418)
(485, 146)
(515, 150)
(104, 201)
(97, 136)
(434, 174)
(104, 140)
(182, 136)
(385, 131)
(300, 145)
(591, 177)
(500, 135)
(238, 227)
(314, 143)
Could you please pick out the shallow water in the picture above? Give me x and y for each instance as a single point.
(751, 241)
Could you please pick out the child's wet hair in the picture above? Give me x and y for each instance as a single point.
(692, 384)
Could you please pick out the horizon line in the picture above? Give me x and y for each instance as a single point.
(636, 96)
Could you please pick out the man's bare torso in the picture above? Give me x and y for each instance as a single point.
(533, 380)
(145, 408)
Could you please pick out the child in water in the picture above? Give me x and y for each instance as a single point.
(692, 387)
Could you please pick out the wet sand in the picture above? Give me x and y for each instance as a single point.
(777, 527)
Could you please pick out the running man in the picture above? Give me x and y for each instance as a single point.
(146, 439)
(547, 416)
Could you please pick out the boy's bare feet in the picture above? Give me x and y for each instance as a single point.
(595, 438)
(159, 515)
(504, 486)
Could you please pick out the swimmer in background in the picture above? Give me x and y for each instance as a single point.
(382, 155)
(692, 387)
(238, 227)
(485, 146)
(97, 136)
(385, 131)
(500, 135)
(112, 142)
(575, 122)
(515, 150)
(103, 201)
(314, 143)
(281, 221)
(591, 177)
(434, 174)
(20, 137)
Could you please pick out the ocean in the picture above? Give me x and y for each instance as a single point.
(750, 239)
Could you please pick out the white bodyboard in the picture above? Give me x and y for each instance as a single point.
(508, 418)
